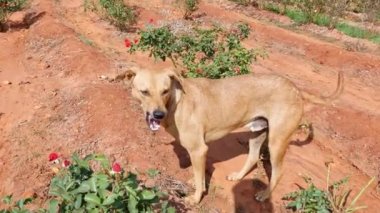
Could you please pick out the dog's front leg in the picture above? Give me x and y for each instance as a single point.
(198, 154)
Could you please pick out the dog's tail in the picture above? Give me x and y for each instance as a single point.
(327, 99)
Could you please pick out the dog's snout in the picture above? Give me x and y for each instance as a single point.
(157, 114)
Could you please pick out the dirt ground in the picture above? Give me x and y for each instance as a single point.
(56, 102)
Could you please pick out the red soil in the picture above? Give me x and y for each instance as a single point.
(57, 103)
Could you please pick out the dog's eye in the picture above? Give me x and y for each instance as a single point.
(144, 92)
(165, 92)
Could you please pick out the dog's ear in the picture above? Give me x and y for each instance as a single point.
(175, 75)
(129, 75)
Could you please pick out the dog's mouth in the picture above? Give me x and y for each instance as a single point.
(154, 124)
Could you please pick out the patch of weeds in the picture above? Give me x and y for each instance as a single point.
(18, 206)
(352, 31)
(322, 20)
(272, 7)
(12, 5)
(152, 173)
(212, 53)
(93, 184)
(310, 199)
(357, 32)
(332, 199)
(297, 16)
(115, 11)
(6, 8)
(375, 39)
(243, 2)
(190, 7)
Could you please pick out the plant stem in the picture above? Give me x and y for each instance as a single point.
(360, 194)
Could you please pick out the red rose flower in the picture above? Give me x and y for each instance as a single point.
(127, 43)
(66, 163)
(53, 156)
(136, 41)
(116, 168)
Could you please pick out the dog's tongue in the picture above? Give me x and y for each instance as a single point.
(154, 124)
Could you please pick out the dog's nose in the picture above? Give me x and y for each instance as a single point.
(157, 114)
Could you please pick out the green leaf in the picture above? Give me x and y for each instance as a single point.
(102, 181)
(171, 210)
(165, 208)
(148, 195)
(131, 190)
(92, 182)
(93, 210)
(92, 198)
(78, 201)
(102, 159)
(132, 204)
(53, 206)
(84, 187)
(7, 199)
(152, 173)
(20, 203)
(110, 199)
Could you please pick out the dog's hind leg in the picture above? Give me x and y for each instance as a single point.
(278, 140)
(253, 156)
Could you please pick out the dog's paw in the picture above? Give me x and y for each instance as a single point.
(234, 176)
(191, 200)
(262, 195)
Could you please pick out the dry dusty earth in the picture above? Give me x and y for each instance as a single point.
(56, 102)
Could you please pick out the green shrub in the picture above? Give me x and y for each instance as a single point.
(272, 7)
(358, 32)
(310, 199)
(322, 20)
(12, 5)
(115, 11)
(297, 16)
(15, 206)
(212, 53)
(243, 2)
(332, 199)
(352, 31)
(190, 7)
(7, 7)
(79, 187)
(311, 8)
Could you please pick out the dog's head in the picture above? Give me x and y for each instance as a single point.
(155, 90)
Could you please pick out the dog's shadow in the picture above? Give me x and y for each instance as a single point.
(244, 200)
(229, 147)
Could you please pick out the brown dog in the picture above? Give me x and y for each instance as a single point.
(197, 111)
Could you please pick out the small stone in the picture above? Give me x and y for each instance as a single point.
(23, 82)
(103, 77)
(17, 19)
(6, 82)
